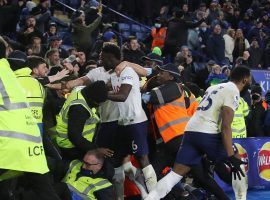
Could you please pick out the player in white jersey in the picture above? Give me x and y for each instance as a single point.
(209, 132)
(132, 136)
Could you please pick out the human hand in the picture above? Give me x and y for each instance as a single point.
(100, 8)
(235, 165)
(105, 152)
(29, 30)
(62, 74)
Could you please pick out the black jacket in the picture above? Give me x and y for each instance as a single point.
(255, 120)
(130, 55)
(177, 31)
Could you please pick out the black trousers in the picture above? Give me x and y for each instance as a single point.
(38, 185)
(165, 155)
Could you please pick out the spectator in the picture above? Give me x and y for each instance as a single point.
(26, 34)
(107, 36)
(216, 46)
(42, 14)
(186, 14)
(216, 76)
(240, 45)
(266, 57)
(131, 51)
(213, 11)
(26, 11)
(235, 19)
(229, 44)
(256, 117)
(188, 73)
(55, 43)
(256, 55)
(53, 59)
(177, 34)
(245, 24)
(40, 71)
(81, 33)
(220, 21)
(204, 33)
(72, 66)
(37, 48)
(255, 31)
(51, 32)
(81, 59)
(203, 74)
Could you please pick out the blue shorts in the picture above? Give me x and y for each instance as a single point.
(195, 145)
(132, 139)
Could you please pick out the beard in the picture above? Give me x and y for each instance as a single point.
(245, 90)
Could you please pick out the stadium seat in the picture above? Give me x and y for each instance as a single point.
(123, 27)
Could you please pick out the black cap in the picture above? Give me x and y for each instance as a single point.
(96, 92)
(211, 62)
(153, 57)
(172, 69)
(35, 11)
(17, 60)
(17, 56)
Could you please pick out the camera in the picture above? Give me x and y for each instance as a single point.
(255, 97)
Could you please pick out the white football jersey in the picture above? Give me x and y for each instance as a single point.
(108, 110)
(207, 118)
(131, 111)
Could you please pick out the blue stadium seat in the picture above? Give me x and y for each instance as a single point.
(126, 34)
(141, 36)
(135, 28)
(145, 30)
(123, 27)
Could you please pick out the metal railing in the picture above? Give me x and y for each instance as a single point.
(112, 10)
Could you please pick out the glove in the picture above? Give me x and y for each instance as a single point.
(236, 170)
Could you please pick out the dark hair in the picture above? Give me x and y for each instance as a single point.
(35, 61)
(15, 65)
(132, 37)
(95, 92)
(179, 13)
(239, 73)
(2, 49)
(112, 48)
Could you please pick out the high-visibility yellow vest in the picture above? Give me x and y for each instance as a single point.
(84, 186)
(238, 123)
(20, 140)
(75, 98)
(35, 93)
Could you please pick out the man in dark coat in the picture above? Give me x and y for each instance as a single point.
(177, 33)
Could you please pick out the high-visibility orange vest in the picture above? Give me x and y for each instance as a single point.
(171, 118)
(264, 104)
(158, 37)
(192, 106)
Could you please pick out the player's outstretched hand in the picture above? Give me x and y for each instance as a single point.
(105, 152)
(235, 164)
